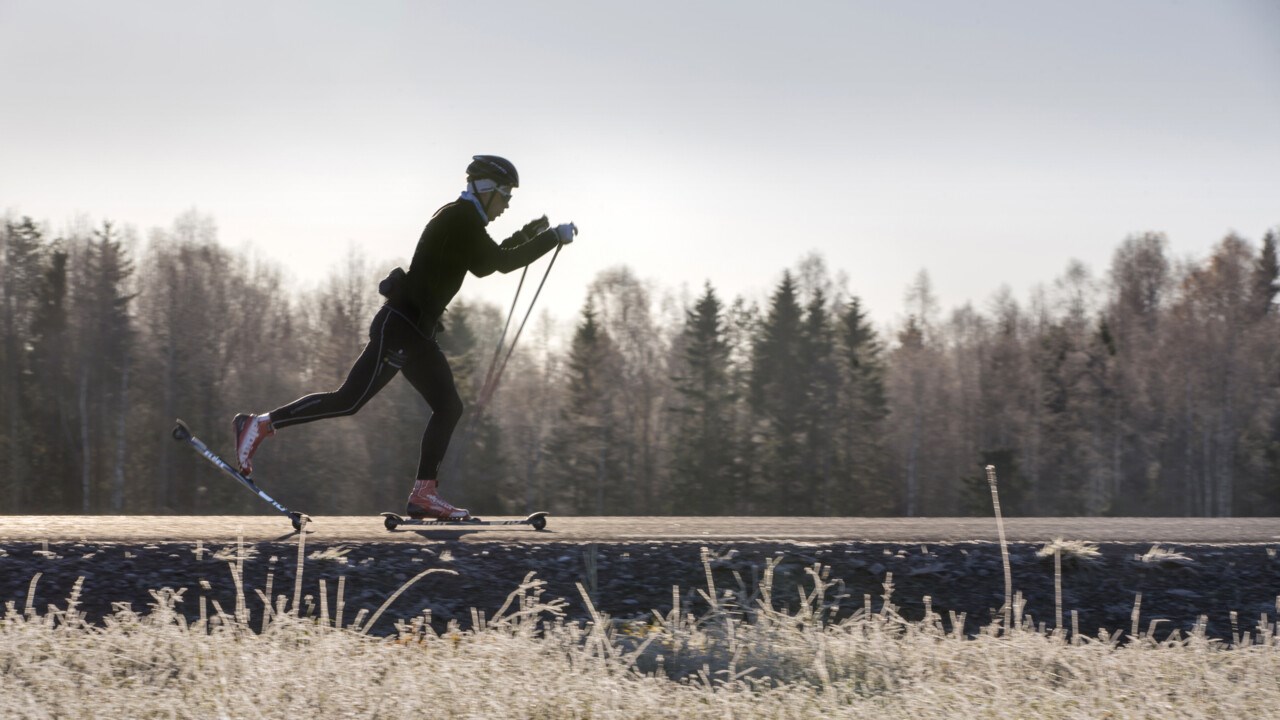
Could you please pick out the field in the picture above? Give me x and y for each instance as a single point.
(740, 656)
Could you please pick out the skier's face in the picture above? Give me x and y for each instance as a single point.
(497, 201)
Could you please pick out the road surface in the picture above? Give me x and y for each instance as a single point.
(262, 528)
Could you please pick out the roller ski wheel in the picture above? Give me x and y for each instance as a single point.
(299, 520)
(392, 521)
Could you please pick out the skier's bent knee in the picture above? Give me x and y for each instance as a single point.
(451, 409)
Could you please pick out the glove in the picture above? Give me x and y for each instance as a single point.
(536, 227)
(530, 231)
(565, 233)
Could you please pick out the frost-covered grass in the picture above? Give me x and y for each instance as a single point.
(741, 658)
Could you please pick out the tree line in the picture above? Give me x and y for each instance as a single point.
(1152, 388)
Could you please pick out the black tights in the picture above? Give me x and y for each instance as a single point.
(395, 345)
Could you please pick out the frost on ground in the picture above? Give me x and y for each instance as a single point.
(742, 658)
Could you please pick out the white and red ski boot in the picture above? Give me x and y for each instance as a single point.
(425, 503)
(250, 431)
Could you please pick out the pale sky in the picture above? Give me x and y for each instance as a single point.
(988, 142)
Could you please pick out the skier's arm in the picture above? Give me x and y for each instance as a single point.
(511, 254)
(531, 230)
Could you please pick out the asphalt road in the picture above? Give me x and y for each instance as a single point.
(260, 528)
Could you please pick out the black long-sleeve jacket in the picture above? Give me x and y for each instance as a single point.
(454, 243)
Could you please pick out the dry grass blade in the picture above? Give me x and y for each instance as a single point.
(1159, 556)
(1070, 550)
(1007, 610)
(408, 584)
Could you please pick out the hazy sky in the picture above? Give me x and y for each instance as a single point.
(988, 142)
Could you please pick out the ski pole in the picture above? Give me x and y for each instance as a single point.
(488, 390)
(488, 376)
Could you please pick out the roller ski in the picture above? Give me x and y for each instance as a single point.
(426, 508)
(392, 521)
(182, 433)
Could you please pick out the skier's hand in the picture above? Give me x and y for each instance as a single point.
(531, 230)
(566, 232)
(536, 227)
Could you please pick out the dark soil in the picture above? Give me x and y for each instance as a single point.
(632, 580)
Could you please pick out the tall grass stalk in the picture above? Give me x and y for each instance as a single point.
(29, 607)
(408, 584)
(297, 575)
(1007, 610)
(1057, 589)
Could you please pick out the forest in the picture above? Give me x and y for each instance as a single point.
(1149, 388)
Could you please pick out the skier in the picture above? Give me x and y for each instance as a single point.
(402, 334)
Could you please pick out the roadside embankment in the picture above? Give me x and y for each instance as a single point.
(1178, 584)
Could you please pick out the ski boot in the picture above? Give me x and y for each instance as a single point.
(425, 503)
(250, 431)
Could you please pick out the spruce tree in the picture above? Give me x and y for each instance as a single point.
(742, 323)
(911, 359)
(20, 268)
(104, 364)
(1266, 276)
(864, 408)
(702, 453)
(821, 481)
(53, 454)
(778, 398)
(1266, 285)
(585, 463)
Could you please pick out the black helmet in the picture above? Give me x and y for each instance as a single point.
(492, 167)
